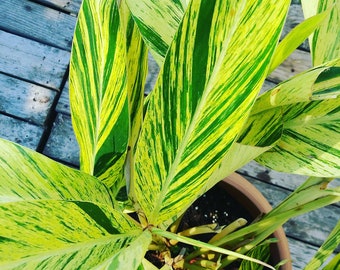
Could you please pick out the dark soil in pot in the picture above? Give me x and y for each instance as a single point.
(215, 206)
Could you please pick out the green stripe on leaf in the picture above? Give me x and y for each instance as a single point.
(198, 108)
(98, 93)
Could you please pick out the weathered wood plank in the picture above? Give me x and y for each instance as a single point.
(37, 22)
(295, 16)
(32, 60)
(20, 132)
(153, 70)
(315, 226)
(297, 62)
(285, 180)
(63, 105)
(25, 100)
(62, 144)
(302, 253)
(71, 6)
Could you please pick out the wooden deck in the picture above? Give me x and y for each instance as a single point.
(35, 43)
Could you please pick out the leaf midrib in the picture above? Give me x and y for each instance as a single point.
(72, 248)
(190, 129)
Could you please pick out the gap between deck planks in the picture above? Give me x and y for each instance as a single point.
(31, 75)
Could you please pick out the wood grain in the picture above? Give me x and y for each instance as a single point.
(20, 132)
(37, 22)
(63, 105)
(32, 61)
(297, 62)
(284, 180)
(62, 144)
(71, 6)
(27, 101)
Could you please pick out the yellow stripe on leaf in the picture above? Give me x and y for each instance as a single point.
(210, 78)
(28, 175)
(158, 22)
(310, 142)
(325, 42)
(295, 37)
(58, 234)
(98, 94)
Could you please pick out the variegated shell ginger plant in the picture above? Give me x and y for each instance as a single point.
(203, 120)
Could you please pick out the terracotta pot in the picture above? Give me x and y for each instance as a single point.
(251, 199)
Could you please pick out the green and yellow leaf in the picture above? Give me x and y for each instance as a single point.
(50, 214)
(325, 42)
(261, 251)
(322, 82)
(132, 256)
(310, 142)
(262, 129)
(28, 175)
(295, 37)
(293, 114)
(158, 22)
(334, 263)
(326, 249)
(57, 234)
(198, 108)
(237, 156)
(136, 65)
(98, 94)
(137, 69)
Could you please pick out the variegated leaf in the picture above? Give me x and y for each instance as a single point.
(158, 22)
(237, 156)
(309, 7)
(310, 142)
(28, 175)
(326, 249)
(262, 252)
(98, 94)
(137, 69)
(325, 42)
(136, 64)
(210, 78)
(318, 83)
(132, 256)
(327, 85)
(57, 234)
(265, 124)
(262, 129)
(295, 37)
(303, 147)
(334, 263)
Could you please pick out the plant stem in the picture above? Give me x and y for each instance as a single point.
(207, 246)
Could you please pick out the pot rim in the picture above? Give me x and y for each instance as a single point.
(253, 200)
